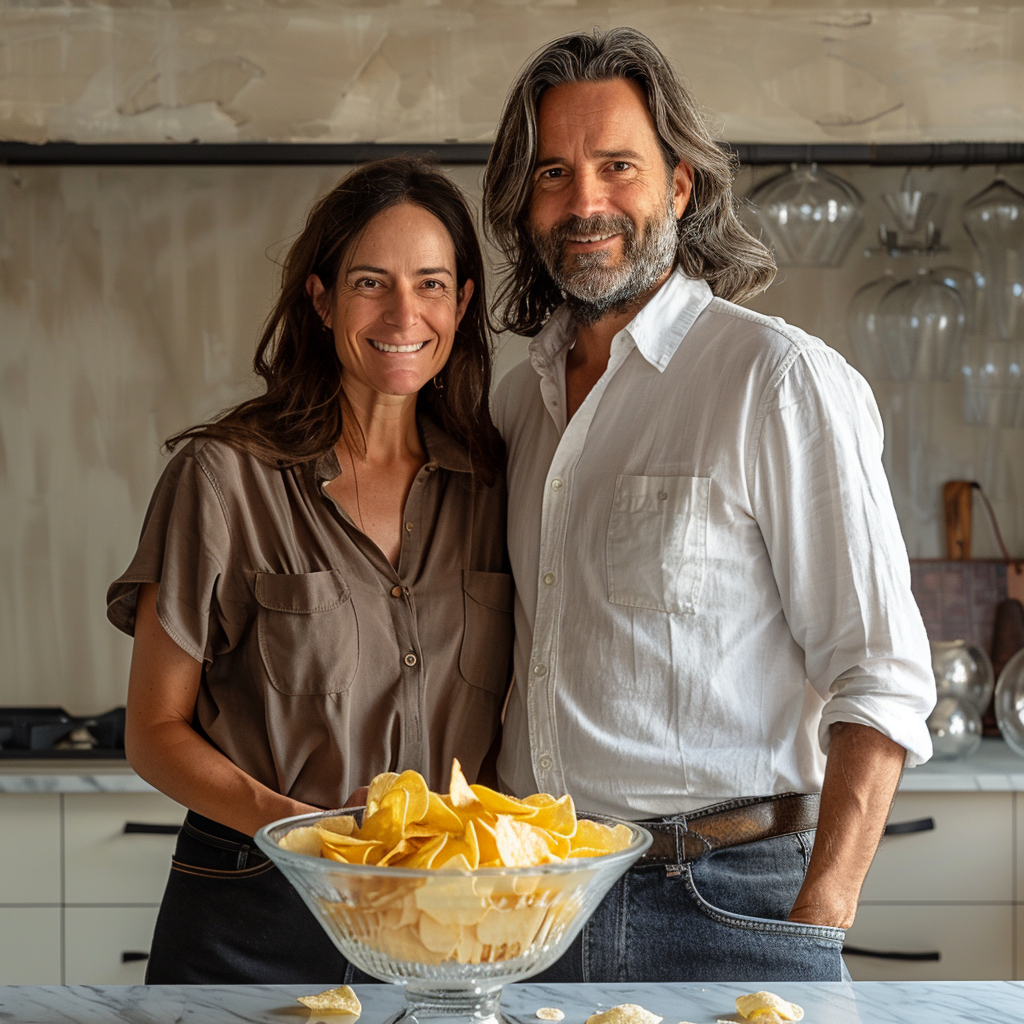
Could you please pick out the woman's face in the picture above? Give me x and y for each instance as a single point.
(396, 304)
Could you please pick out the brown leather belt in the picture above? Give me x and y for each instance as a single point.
(686, 838)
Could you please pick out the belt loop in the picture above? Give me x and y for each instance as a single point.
(681, 831)
(243, 856)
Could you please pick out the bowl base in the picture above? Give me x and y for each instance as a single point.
(450, 1007)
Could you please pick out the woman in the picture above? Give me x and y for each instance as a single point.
(320, 592)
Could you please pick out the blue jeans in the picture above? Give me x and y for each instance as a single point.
(721, 918)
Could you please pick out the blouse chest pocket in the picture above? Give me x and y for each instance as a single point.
(657, 542)
(308, 634)
(487, 639)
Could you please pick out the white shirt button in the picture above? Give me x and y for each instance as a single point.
(556, 484)
(410, 659)
(539, 670)
(549, 578)
(544, 763)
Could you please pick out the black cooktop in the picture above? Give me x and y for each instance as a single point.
(52, 733)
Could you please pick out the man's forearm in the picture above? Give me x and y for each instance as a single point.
(861, 775)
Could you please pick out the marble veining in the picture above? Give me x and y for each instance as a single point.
(994, 1002)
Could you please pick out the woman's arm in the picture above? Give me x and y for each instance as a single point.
(168, 753)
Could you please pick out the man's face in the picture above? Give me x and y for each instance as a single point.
(604, 207)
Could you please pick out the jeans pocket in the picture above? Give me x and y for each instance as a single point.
(769, 926)
(767, 949)
(208, 856)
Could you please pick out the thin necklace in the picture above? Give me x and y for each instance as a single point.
(355, 480)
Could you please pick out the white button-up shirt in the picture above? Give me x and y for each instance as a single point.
(709, 570)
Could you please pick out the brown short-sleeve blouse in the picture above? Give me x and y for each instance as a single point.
(322, 664)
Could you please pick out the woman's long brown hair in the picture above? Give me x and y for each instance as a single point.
(303, 411)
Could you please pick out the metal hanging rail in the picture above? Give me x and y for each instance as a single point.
(927, 154)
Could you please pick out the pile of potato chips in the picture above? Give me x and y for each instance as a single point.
(405, 825)
(453, 915)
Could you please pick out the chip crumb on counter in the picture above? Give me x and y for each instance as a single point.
(334, 1000)
(625, 1013)
(768, 1008)
(550, 1013)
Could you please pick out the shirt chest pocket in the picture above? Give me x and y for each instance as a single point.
(657, 542)
(308, 634)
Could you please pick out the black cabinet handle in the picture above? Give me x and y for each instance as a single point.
(130, 957)
(902, 828)
(880, 954)
(144, 828)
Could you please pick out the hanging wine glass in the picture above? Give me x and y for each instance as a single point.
(921, 322)
(862, 327)
(994, 220)
(811, 217)
(994, 382)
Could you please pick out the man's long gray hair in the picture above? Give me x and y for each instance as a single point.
(713, 245)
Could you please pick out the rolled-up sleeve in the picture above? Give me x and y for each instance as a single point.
(826, 513)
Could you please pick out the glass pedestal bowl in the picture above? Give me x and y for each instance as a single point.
(451, 938)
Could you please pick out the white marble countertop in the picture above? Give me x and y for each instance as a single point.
(994, 768)
(913, 1002)
(69, 776)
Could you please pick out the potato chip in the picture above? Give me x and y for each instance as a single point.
(440, 816)
(302, 840)
(334, 1000)
(377, 788)
(763, 1005)
(625, 1013)
(550, 1013)
(459, 791)
(341, 824)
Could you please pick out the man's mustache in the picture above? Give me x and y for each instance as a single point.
(574, 227)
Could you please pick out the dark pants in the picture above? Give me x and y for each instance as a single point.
(722, 918)
(229, 917)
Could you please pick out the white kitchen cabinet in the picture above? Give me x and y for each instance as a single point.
(107, 945)
(975, 941)
(30, 948)
(1018, 893)
(104, 863)
(30, 848)
(968, 857)
(79, 894)
(949, 889)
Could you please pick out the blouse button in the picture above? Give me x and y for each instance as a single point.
(430, 467)
(556, 484)
(396, 591)
(410, 660)
(544, 762)
(408, 527)
(549, 578)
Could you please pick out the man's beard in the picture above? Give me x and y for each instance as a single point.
(593, 289)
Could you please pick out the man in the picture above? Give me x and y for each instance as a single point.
(712, 588)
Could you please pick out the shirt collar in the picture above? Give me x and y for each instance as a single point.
(656, 330)
(442, 452)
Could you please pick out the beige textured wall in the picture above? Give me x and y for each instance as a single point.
(130, 299)
(437, 70)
